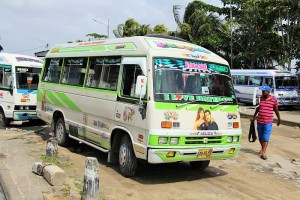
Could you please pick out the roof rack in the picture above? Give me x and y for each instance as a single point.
(166, 37)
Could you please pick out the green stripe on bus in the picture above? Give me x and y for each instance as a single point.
(51, 96)
(39, 95)
(68, 101)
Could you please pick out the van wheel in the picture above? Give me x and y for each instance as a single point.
(127, 160)
(199, 165)
(60, 132)
(3, 120)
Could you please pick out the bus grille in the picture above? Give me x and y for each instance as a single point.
(203, 140)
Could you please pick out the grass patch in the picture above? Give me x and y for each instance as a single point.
(66, 189)
(30, 142)
(54, 161)
(78, 185)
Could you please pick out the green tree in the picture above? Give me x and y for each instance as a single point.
(160, 29)
(96, 36)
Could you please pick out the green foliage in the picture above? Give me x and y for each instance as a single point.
(160, 29)
(96, 36)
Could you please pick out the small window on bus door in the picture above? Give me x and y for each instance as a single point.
(130, 74)
(74, 71)
(52, 70)
(104, 72)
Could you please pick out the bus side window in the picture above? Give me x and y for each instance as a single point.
(74, 71)
(52, 70)
(269, 82)
(130, 74)
(241, 80)
(5, 73)
(255, 80)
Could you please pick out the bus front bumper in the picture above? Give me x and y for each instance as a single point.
(191, 154)
(24, 115)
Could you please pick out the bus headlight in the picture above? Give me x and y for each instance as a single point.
(162, 140)
(229, 139)
(21, 107)
(235, 138)
(26, 107)
(174, 141)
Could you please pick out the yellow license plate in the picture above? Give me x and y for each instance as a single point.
(205, 153)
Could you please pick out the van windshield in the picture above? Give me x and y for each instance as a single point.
(27, 77)
(286, 82)
(186, 80)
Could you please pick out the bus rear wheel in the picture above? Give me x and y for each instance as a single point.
(127, 160)
(199, 165)
(3, 120)
(60, 132)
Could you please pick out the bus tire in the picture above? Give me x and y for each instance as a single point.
(3, 120)
(199, 165)
(127, 160)
(60, 133)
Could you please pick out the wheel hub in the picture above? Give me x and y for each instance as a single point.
(122, 156)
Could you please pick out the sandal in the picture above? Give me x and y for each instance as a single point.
(263, 157)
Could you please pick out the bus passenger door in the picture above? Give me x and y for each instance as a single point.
(128, 108)
(6, 90)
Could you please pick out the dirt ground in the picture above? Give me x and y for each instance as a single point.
(244, 177)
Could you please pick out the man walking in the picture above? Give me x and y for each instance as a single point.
(265, 109)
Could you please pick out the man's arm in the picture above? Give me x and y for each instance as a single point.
(256, 111)
(278, 115)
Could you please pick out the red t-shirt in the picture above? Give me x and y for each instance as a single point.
(266, 109)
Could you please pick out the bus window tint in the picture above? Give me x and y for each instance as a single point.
(255, 80)
(286, 81)
(74, 71)
(130, 74)
(52, 70)
(241, 80)
(27, 77)
(104, 72)
(4, 76)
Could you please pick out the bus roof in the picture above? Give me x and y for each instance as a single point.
(136, 46)
(261, 72)
(20, 60)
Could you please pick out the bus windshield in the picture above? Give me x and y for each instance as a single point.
(186, 80)
(286, 82)
(27, 77)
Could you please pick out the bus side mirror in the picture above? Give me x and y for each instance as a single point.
(10, 82)
(141, 86)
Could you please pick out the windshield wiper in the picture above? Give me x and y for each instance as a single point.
(218, 104)
(183, 104)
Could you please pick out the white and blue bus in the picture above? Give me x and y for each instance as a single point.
(284, 84)
(19, 78)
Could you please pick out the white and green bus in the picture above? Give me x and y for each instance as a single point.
(148, 98)
(19, 78)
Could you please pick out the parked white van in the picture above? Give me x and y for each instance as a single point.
(284, 84)
(19, 78)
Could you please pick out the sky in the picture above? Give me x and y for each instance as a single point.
(27, 26)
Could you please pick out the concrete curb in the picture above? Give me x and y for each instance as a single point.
(10, 190)
(283, 122)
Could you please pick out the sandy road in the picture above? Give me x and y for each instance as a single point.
(244, 177)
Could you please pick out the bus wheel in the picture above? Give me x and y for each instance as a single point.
(3, 120)
(60, 132)
(127, 160)
(199, 165)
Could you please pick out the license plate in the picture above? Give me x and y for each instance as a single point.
(204, 153)
(291, 101)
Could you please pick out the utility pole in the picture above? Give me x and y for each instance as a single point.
(107, 25)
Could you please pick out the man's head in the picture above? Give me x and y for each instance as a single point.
(207, 115)
(266, 90)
